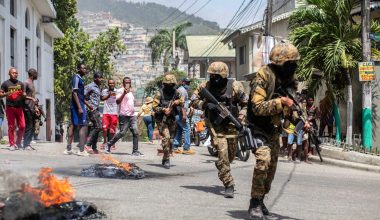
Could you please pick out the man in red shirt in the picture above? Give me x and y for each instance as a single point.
(14, 92)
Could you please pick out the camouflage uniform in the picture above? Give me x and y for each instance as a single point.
(166, 124)
(38, 121)
(265, 111)
(224, 135)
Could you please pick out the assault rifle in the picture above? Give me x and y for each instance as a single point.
(170, 106)
(246, 140)
(312, 133)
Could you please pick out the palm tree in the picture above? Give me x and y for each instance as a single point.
(162, 43)
(330, 41)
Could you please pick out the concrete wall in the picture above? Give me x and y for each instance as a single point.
(44, 64)
(243, 69)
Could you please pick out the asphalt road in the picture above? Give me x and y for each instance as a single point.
(192, 190)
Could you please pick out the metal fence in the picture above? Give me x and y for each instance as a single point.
(356, 145)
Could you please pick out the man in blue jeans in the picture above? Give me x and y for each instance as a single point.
(183, 127)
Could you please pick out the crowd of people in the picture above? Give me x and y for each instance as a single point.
(22, 110)
(268, 113)
(119, 110)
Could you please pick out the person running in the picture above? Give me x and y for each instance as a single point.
(92, 93)
(78, 112)
(127, 119)
(110, 113)
(14, 91)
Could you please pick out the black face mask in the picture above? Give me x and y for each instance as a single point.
(169, 88)
(286, 71)
(217, 82)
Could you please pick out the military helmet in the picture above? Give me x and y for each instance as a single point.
(219, 68)
(283, 52)
(169, 79)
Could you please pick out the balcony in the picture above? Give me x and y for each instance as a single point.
(45, 8)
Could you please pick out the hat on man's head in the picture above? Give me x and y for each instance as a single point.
(186, 80)
(148, 100)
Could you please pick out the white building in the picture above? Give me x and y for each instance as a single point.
(26, 41)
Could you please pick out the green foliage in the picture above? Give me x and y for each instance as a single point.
(148, 15)
(162, 43)
(328, 41)
(76, 47)
(66, 9)
(154, 85)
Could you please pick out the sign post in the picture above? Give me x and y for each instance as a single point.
(366, 75)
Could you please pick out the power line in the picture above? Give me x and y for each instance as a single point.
(174, 12)
(243, 20)
(228, 27)
(283, 5)
(183, 12)
(258, 8)
(204, 5)
(234, 23)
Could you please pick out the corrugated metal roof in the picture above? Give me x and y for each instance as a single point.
(203, 46)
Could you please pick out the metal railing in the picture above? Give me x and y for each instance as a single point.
(356, 145)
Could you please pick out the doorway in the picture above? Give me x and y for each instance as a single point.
(48, 120)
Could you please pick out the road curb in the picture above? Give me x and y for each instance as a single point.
(347, 164)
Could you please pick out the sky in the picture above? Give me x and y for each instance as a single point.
(220, 11)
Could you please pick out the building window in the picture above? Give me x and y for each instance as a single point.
(38, 31)
(38, 51)
(12, 7)
(242, 55)
(27, 19)
(2, 2)
(13, 46)
(27, 55)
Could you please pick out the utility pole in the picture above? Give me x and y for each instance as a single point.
(268, 19)
(173, 45)
(366, 89)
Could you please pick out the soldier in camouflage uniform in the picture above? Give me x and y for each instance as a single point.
(224, 134)
(265, 111)
(167, 103)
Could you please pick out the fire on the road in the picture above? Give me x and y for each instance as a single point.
(52, 190)
(126, 166)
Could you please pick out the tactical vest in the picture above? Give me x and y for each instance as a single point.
(226, 98)
(263, 123)
(165, 99)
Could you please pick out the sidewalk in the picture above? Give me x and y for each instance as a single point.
(350, 159)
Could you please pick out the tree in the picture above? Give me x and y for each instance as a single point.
(162, 43)
(76, 47)
(329, 41)
(154, 85)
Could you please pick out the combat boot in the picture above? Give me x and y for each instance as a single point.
(166, 163)
(229, 192)
(263, 207)
(254, 210)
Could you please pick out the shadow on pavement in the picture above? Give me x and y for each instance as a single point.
(159, 165)
(209, 161)
(238, 214)
(283, 187)
(119, 153)
(243, 214)
(209, 189)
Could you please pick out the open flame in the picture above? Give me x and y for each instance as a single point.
(52, 190)
(126, 166)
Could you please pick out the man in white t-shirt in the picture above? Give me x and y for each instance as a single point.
(110, 112)
(127, 118)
